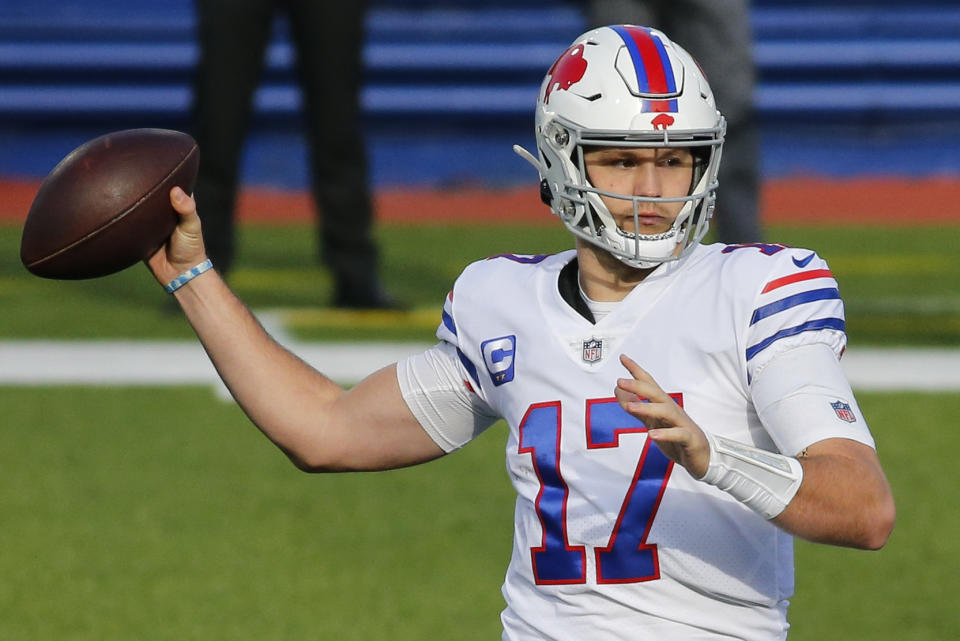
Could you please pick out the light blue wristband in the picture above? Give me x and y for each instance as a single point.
(187, 276)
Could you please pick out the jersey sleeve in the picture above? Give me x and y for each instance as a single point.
(448, 333)
(795, 338)
(798, 303)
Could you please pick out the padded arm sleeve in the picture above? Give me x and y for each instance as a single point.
(802, 396)
(434, 389)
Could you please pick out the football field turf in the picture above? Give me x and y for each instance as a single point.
(140, 513)
(160, 513)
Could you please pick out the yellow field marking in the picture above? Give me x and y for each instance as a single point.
(908, 307)
(885, 264)
(419, 318)
(291, 278)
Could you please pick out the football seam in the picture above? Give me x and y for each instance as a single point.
(118, 217)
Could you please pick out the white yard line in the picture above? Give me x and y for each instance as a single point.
(48, 362)
(903, 368)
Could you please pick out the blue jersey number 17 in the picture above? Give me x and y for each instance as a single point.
(627, 557)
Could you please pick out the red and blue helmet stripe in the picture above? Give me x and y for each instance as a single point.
(653, 67)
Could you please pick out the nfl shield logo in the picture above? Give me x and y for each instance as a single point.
(844, 413)
(592, 350)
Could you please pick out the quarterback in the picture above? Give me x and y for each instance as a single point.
(677, 411)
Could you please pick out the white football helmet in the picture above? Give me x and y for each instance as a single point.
(626, 86)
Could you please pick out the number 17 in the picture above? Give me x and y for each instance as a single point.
(627, 557)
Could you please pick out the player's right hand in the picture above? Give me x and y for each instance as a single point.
(184, 249)
(674, 432)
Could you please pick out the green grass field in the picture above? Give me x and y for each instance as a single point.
(899, 284)
(161, 514)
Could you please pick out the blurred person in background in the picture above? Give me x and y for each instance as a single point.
(717, 33)
(328, 39)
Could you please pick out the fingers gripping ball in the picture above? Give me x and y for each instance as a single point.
(106, 206)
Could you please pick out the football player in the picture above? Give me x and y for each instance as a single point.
(677, 411)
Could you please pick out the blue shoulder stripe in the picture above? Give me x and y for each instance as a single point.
(809, 326)
(448, 322)
(526, 260)
(470, 367)
(827, 293)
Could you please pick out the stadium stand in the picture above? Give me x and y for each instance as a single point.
(454, 70)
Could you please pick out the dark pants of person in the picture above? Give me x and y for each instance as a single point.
(718, 35)
(328, 39)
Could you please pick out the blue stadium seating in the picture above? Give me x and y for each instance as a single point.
(439, 69)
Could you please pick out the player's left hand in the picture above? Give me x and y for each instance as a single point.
(668, 425)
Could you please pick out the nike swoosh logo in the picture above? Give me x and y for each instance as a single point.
(803, 262)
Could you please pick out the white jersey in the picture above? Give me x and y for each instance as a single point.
(613, 541)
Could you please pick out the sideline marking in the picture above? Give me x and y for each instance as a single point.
(119, 363)
(49, 362)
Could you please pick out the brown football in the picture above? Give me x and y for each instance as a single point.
(106, 206)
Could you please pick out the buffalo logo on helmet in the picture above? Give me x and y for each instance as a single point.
(567, 71)
(662, 121)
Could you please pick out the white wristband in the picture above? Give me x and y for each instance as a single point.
(187, 276)
(763, 481)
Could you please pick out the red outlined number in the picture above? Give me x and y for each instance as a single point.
(555, 561)
(627, 557)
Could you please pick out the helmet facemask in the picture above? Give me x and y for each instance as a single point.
(579, 205)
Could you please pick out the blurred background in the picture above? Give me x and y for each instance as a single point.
(847, 90)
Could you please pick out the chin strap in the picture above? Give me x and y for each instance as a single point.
(763, 481)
